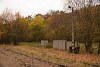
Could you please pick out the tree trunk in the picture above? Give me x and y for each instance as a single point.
(88, 47)
(99, 49)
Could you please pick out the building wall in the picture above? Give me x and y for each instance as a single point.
(68, 44)
(61, 44)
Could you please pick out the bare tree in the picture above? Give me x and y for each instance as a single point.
(7, 16)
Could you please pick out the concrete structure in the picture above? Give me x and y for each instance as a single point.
(62, 44)
(59, 44)
(68, 44)
(44, 42)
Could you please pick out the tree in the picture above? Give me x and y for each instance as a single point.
(57, 27)
(36, 27)
(84, 23)
(14, 28)
(97, 26)
(7, 19)
(21, 29)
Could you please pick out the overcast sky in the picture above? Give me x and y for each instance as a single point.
(31, 7)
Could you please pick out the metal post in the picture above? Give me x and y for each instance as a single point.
(73, 41)
(73, 38)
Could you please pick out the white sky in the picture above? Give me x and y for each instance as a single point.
(31, 7)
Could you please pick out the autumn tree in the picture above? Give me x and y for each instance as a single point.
(7, 19)
(84, 23)
(58, 25)
(14, 27)
(97, 26)
(36, 27)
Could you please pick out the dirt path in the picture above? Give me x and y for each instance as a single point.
(9, 58)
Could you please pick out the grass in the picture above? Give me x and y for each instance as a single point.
(61, 57)
(35, 44)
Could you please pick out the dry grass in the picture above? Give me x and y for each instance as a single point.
(59, 56)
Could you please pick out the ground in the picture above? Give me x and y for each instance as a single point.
(9, 58)
(30, 56)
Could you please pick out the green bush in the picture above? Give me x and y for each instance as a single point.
(82, 48)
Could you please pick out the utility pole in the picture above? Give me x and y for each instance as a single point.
(73, 38)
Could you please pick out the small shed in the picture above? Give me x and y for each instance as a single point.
(44, 42)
